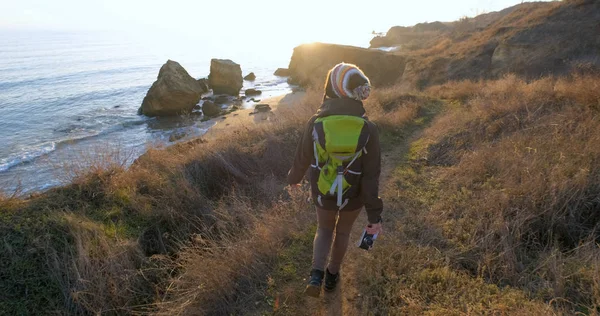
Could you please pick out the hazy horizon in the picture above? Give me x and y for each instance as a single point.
(240, 21)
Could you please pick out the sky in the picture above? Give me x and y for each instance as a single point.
(248, 22)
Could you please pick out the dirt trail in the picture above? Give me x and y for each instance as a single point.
(347, 299)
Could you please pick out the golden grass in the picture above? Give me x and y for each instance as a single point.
(491, 207)
(111, 241)
(562, 26)
(506, 183)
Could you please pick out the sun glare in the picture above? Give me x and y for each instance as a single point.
(262, 24)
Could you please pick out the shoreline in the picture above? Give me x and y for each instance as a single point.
(57, 118)
(115, 128)
(244, 116)
(214, 128)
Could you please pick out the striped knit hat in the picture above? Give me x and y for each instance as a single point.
(347, 81)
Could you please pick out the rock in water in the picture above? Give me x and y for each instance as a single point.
(261, 108)
(252, 92)
(174, 92)
(204, 83)
(225, 77)
(250, 77)
(222, 99)
(210, 109)
(282, 72)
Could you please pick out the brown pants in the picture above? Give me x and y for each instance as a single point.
(328, 222)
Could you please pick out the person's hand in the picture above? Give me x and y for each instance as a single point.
(373, 229)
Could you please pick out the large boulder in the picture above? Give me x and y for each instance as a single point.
(204, 83)
(210, 109)
(174, 92)
(261, 108)
(222, 99)
(311, 62)
(252, 92)
(250, 77)
(225, 77)
(282, 72)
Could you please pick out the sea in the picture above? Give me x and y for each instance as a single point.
(69, 100)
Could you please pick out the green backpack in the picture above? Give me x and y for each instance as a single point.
(339, 142)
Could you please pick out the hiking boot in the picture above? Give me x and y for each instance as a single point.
(331, 280)
(314, 284)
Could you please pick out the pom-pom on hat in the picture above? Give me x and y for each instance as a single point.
(347, 81)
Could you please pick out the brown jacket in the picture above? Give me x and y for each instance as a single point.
(368, 192)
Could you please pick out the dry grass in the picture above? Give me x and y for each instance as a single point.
(229, 275)
(526, 186)
(541, 38)
(118, 241)
(491, 207)
(499, 204)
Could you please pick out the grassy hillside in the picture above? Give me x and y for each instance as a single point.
(497, 204)
(119, 241)
(531, 39)
(491, 207)
(490, 188)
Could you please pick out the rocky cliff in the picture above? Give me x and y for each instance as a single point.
(423, 35)
(530, 39)
(311, 62)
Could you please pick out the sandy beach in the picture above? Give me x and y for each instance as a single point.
(245, 117)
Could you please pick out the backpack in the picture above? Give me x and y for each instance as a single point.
(339, 142)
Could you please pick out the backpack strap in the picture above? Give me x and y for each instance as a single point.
(344, 204)
(316, 138)
(353, 160)
(338, 185)
(319, 200)
(316, 165)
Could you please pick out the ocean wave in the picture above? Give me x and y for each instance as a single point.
(75, 77)
(87, 134)
(115, 93)
(110, 97)
(30, 154)
(26, 156)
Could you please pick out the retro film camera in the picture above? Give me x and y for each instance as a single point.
(366, 240)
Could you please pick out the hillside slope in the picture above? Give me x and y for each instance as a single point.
(490, 207)
(490, 187)
(531, 39)
(424, 35)
(490, 192)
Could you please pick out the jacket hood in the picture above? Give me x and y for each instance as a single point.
(341, 106)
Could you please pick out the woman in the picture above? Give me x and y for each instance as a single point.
(342, 148)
